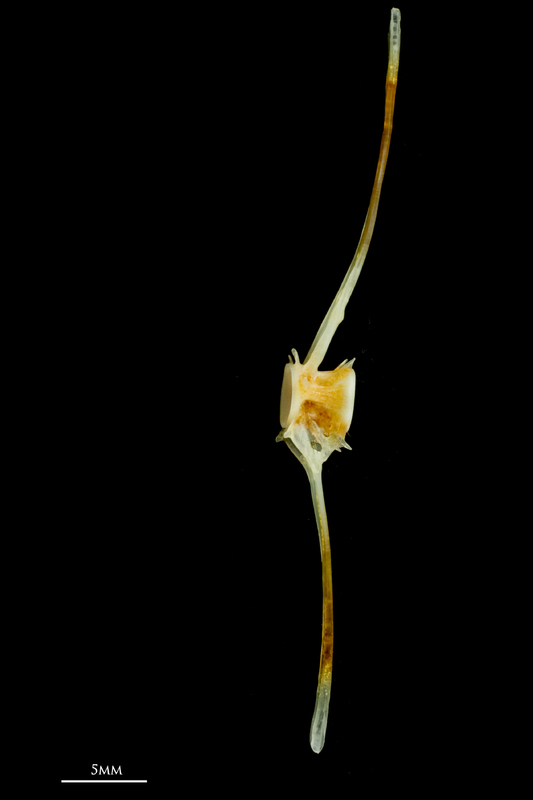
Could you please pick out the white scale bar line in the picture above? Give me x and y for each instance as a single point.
(104, 781)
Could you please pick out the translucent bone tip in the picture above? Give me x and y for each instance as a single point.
(319, 723)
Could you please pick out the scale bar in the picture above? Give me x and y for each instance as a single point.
(104, 781)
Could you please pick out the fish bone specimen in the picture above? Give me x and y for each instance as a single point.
(317, 407)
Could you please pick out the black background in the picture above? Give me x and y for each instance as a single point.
(208, 179)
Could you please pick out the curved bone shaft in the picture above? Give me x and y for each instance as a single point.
(323, 694)
(335, 314)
